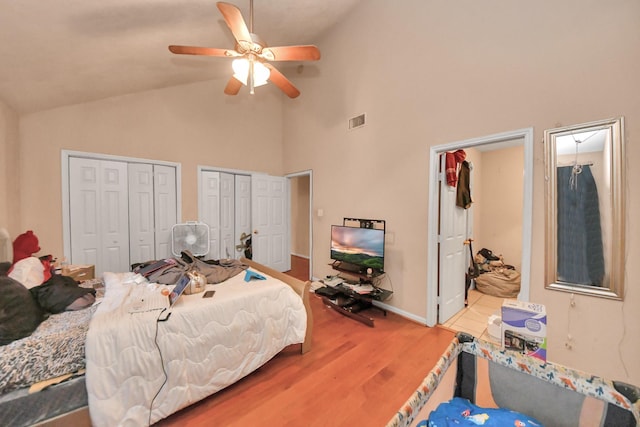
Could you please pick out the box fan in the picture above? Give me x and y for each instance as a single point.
(190, 236)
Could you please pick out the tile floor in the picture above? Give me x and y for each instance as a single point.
(473, 318)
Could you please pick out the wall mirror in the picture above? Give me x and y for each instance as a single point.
(584, 202)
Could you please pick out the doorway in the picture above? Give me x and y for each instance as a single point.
(522, 137)
(250, 204)
(301, 223)
(297, 226)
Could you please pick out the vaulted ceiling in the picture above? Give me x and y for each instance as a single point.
(62, 52)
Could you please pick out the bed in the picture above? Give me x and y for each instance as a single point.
(481, 373)
(204, 346)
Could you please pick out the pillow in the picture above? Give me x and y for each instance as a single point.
(28, 271)
(20, 314)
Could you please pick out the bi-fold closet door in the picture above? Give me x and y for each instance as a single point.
(225, 206)
(152, 210)
(120, 212)
(255, 205)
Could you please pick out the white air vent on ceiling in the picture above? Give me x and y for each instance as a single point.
(357, 122)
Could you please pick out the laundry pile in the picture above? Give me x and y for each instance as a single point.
(496, 278)
(31, 291)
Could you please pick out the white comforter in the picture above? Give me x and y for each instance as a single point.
(206, 345)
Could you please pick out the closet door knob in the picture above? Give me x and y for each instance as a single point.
(255, 231)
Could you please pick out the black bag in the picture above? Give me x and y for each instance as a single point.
(488, 254)
(58, 292)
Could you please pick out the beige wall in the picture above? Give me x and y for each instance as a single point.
(429, 73)
(192, 124)
(9, 172)
(500, 215)
(300, 215)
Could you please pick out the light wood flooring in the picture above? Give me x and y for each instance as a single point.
(473, 319)
(354, 375)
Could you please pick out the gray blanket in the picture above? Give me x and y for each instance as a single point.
(55, 348)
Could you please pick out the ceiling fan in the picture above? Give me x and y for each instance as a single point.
(252, 55)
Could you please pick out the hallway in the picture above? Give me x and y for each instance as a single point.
(299, 268)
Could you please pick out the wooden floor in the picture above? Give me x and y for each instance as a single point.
(299, 268)
(354, 375)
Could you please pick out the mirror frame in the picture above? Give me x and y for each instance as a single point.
(615, 249)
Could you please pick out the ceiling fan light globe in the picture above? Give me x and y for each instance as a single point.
(260, 73)
(241, 67)
(241, 72)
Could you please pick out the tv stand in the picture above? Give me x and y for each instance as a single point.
(351, 300)
(348, 308)
(351, 303)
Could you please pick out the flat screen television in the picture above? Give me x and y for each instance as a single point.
(361, 248)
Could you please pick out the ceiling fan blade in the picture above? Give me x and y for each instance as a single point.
(233, 86)
(278, 79)
(292, 53)
(194, 50)
(233, 17)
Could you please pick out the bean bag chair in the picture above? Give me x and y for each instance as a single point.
(502, 283)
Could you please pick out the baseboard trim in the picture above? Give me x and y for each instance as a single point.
(413, 317)
(301, 256)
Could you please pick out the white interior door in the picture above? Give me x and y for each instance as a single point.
(452, 259)
(210, 209)
(242, 210)
(269, 207)
(141, 227)
(98, 202)
(84, 209)
(227, 215)
(165, 196)
(115, 216)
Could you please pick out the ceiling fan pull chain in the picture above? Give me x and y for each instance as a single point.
(250, 77)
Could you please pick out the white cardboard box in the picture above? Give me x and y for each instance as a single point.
(524, 328)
